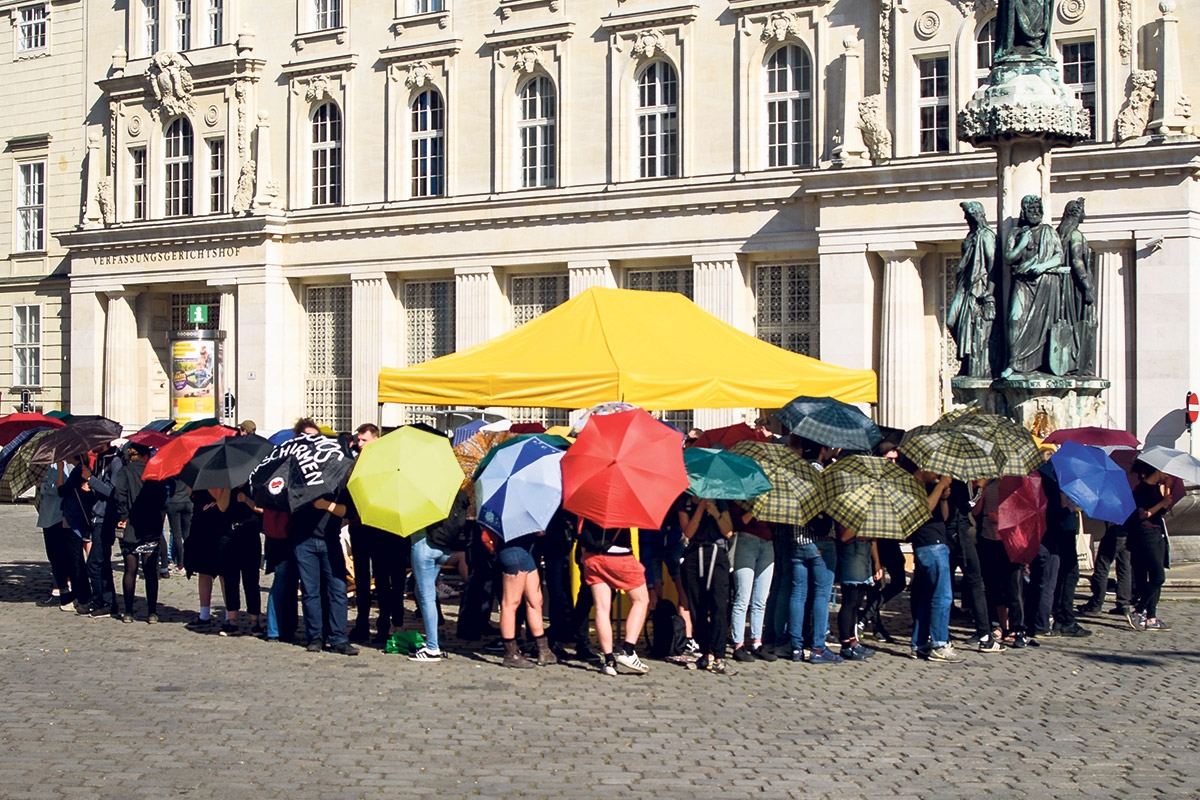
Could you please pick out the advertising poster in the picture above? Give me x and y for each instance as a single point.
(193, 380)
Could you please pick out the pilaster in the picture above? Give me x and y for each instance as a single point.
(852, 152)
(903, 373)
(1115, 335)
(271, 393)
(479, 306)
(375, 332)
(121, 378)
(586, 274)
(720, 288)
(86, 365)
(227, 367)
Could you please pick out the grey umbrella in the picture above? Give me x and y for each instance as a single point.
(1184, 466)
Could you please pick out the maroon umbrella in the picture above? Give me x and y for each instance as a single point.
(13, 424)
(1021, 517)
(151, 439)
(730, 435)
(1097, 437)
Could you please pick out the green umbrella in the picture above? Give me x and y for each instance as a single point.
(874, 498)
(722, 475)
(1011, 446)
(207, 422)
(20, 475)
(948, 451)
(797, 495)
(405, 481)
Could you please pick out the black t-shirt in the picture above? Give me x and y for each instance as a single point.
(707, 531)
(309, 521)
(933, 531)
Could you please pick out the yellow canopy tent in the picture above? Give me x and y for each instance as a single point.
(657, 350)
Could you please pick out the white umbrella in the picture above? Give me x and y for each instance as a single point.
(1182, 465)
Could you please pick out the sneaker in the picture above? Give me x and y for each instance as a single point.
(797, 655)
(1075, 630)
(152, 619)
(718, 666)
(496, 646)
(50, 600)
(228, 629)
(345, 648)
(1136, 621)
(1019, 641)
(991, 644)
(69, 607)
(314, 646)
(763, 654)
(360, 633)
(918, 653)
(426, 654)
(976, 638)
(201, 624)
(444, 592)
(631, 663)
(257, 629)
(82, 609)
(783, 650)
(1157, 625)
(866, 651)
(690, 648)
(1090, 607)
(703, 663)
(127, 618)
(824, 656)
(851, 653)
(584, 652)
(945, 653)
(743, 655)
(1120, 611)
(608, 667)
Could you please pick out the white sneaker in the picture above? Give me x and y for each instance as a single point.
(632, 663)
(608, 668)
(946, 654)
(444, 592)
(426, 654)
(691, 648)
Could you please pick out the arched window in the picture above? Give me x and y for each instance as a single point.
(428, 136)
(537, 133)
(985, 50)
(789, 100)
(178, 161)
(658, 121)
(326, 155)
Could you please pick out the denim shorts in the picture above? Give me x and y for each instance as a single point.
(654, 559)
(516, 558)
(854, 561)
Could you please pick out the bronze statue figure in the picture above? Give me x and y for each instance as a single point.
(973, 310)
(1078, 255)
(1041, 330)
(1023, 30)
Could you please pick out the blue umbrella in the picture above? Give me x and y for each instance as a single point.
(1093, 481)
(464, 432)
(282, 436)
(831, 423)
(520, 489)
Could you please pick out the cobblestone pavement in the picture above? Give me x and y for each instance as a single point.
(96, 709)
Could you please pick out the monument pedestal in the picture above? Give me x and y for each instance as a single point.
(1068, 402)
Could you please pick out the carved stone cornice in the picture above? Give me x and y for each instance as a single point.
(672, 17)
(424, 51)
(558, 32)
(315, 66)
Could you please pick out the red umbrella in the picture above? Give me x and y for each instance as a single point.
(152, 439)
(171, 457)
(1021, 517)
(1097, 437)
(13, 424)
(624, 470)
(527, 427)
(730, 435)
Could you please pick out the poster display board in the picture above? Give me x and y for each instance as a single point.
(194, 393)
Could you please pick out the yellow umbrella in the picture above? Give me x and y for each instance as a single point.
(405, 481)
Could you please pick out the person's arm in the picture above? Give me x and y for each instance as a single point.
(691, 524)
(878, 576)
(937, 492)
(222, 496)
(724, 521)
(1160, 506)
(845, 534)
(337, 509)
(61, 476)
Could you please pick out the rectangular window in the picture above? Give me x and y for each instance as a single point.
(788, 298)
(27, 346)
(183, 25)
(985, 51)
(934, 104)
(33, 27)
(149, 27)
(137, 170)
(216, 22)
(425, 6)
(181, 303)
(1079, 75)
(216, 176)
(31, 207)
(429, 319)
(327, 14)
(330, 349)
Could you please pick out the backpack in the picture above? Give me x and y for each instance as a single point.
(670, 633)
(454, 532)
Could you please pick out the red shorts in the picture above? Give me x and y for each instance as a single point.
(622, 572)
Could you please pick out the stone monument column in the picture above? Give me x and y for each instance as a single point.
(903, 381)
(374, 330)
(121, 385)
(720, 289)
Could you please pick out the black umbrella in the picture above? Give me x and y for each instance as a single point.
(226, 463)
(75, 439)
(300, 471)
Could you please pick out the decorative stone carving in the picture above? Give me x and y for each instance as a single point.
(927, 25)
(780, 26)
(1135, 116)
(872, 121)
(969, 7)
(317, 88)
(1071, 11)
(1125, 29)
(240, 91)
(211, 115)
(104, 198)
(245, 41)
(1024, 96)
(648, 43)
(972, 312)
(120, 59)
(243, 198)
(885, 40)
(979, 123)
(1183, 108)
(171, 85)
(418, 75)
(134, 126)
(528, 59)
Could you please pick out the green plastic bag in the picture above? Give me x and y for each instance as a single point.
(404, 643)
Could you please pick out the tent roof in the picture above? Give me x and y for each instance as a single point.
(657, 350)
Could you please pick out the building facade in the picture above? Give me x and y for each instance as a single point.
(345, 185)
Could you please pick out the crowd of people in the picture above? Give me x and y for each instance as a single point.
(728, 570)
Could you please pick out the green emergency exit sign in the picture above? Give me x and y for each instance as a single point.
(197, 315)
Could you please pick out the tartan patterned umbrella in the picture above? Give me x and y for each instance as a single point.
(798, 495)
(1011, 446)
(21, 475)
(830, 422)
(948, 451)
(874, 498)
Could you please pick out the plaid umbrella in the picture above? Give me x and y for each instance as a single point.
(21, 474)
(830, 422)
(7, 452)
(948, 451)
(75, 439)
(1011, 446)
(874, 498)
(798, 495)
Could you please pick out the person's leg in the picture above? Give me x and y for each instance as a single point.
(512, 593)
(1124, 573)
(276, 599)
(973, 592)
(108, 538)
(1106, 553)
(801, 557)
(362, 554)
(231, 591)
(942, 596)
(337, 600)
(308, 568)
(58, 552)
(386, 566)
(694, 589)
(250, 582)
(891, 558)
(1153, 548)
(921, 592)
(532, 591)
(764, 573)
(475, 607)
(719, 597)
(602, 602)
(1068, 580)
(558, 592)
(129, 580)
(1046, 587)
(779, 594)
(823, 572)
(94, 560)
(425, 569)
(743, 579)
(1018, 621)
(150, 575)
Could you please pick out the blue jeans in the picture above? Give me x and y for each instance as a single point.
(753, 569)
(932, 596)
(322, 567)
(283, 591)
(427, 561)
(813, 565)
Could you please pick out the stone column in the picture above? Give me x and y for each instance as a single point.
(479, 306)
(586, 274)
(121, 385)
(852, 152)
(1114, 348)
(227, 375)
(266, 195)
(1172, 110)
(903, 379)
(92, 216)
(720, 288)
(375, 331)
(86, 365)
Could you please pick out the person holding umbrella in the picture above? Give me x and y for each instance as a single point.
(77, 502)
(707, 527)
(608, 566)
(1146, 538)
(140, 510)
